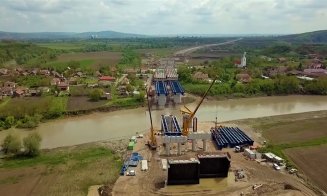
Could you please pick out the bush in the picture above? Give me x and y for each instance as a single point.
(32, 144)
(29, 121)
(96, 94)
(9, 122)
(11, 144)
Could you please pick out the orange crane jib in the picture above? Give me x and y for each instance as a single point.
(191, 114)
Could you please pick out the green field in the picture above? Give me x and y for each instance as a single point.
(62, 45)
(19, 107)
(64, 171)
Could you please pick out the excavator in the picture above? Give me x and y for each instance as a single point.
(152, 143)
(190, 115)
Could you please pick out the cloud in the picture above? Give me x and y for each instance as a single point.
(164, 16)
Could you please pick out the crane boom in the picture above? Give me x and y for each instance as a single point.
(187, 121)
(153, 142)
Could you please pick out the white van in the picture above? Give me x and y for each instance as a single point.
(276, 167)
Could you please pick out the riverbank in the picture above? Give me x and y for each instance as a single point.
(300, 139)
(63, 171)
(30, 112)
(125, 123)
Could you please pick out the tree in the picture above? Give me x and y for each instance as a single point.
(96, 94)
(11, 144)
(184, 74)
(32, 144)
(9, 122)
(300, 67)
(140, 97)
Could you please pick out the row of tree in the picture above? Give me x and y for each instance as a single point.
(282, 85)
(12, 145)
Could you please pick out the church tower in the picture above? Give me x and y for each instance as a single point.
(243, 60)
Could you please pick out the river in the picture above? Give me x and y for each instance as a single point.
(119, 124)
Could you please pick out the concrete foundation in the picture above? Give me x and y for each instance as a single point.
(167, 148)
(177, 98)
(162, 100)
(179, 150)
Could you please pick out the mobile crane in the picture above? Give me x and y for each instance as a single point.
(188, 120)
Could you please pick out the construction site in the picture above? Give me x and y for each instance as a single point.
(182, 156)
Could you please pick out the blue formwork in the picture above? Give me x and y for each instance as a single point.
(230, 137)
(164, 125)
(176, 130)
(161, 88)
(176, 87)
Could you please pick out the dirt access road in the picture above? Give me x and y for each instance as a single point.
(192, 49)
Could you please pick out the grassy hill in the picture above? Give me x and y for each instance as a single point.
(309, 37)
(65, 35)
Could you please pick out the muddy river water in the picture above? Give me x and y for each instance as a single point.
(125, 123)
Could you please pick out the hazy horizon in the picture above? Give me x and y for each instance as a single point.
(165, 17)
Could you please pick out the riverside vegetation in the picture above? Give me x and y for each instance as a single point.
(27, 112)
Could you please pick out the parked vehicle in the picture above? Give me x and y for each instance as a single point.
(276, 167)
(130, 173)
(292, 171)
(237, 149)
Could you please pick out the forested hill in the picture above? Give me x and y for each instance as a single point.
(310, 37)
(66, 35)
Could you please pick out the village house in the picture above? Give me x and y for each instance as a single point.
(315, 72)
(124, 81)
(73, 81)
(123, 91)
(113, 69)
(78, 74)
(55, 81)
(106, 80)
(25, 73)
(44, 89)
(44, 72)
(315, 66)
(280, 70)
(6, 91)
(244, 78)
(3, 71)
(294, 73)
(10, 84)
(56, 74)
(130, 71)
(98, 74)
(281, 59)
(21, 92)
(20, 70)
(92, 85)
(200, 76)
(106, 96)
(63, 86)
(34, 92)
(34, 71)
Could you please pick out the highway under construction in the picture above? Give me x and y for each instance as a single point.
(187, 157)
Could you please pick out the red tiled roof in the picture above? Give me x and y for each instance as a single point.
(107, 78)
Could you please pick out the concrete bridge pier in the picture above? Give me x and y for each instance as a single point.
(194, 145)
(168, 149)
(204, 144)
(179, 150)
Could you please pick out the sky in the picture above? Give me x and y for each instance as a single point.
(164, 17)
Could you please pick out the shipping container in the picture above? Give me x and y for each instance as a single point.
(144, 165)
(131, 145)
